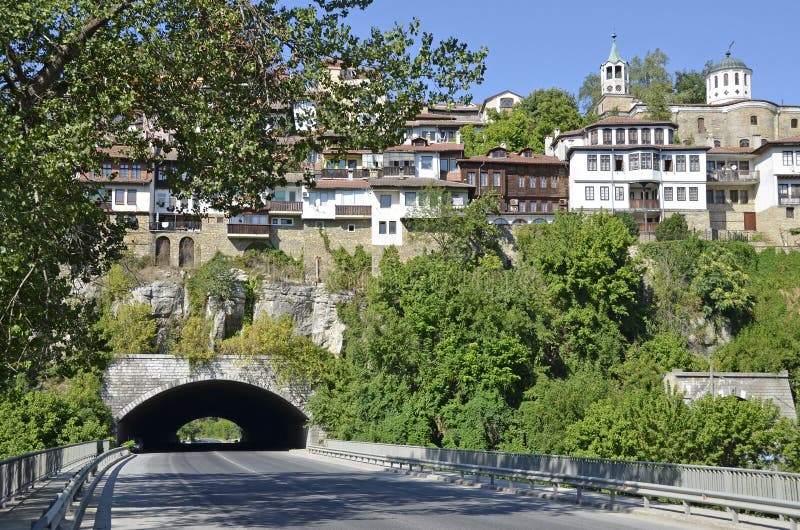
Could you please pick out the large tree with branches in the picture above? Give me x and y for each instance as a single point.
(216, 82)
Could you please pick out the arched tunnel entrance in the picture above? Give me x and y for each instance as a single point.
(268, 421)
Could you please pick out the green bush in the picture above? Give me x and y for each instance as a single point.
(672, 228)
(214, 278)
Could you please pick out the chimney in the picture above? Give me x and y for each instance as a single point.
(548, 145)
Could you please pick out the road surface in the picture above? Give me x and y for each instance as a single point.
(233, 489)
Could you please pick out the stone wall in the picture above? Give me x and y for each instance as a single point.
(774, 225)
(729, 125)
(132, 379)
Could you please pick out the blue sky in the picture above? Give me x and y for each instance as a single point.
(535, 44)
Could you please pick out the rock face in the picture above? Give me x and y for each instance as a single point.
(312, 307)
(166, 298)
(226, 316)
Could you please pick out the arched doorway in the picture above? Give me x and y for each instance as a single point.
(162, 251)
(186, 252)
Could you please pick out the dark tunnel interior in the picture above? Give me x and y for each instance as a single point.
(268, 421)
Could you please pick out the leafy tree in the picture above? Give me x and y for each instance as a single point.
(215, 278)
(646, 363)
(222, 77)
(652, 84)
(589, 94)
(514, 128)
(350, 271)
(194, 342)
(690, 85)
(551, 109)
(132, 330)
(721, 284)
(672, 228)
(630, 221)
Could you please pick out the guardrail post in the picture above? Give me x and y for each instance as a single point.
(792, 523)
(491, 479)
(646, 501)
(578, 494)
(555, 488)
(612, 495)
(687, 508)
(734, 515)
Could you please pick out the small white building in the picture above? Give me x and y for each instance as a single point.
(500, 102)
(422, 159)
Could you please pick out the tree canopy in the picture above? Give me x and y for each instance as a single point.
(214, 83)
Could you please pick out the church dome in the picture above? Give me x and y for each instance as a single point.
(729, 63)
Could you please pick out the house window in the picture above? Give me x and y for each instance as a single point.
(532, 179)
(392, 227)
(793, 123)
(124, 171)
(667, 159)
(716, 81)
(693, 195)
(161, 173)
(797, 157)
(352, 164)
(646, 136)
(647, 161)
(589, 193)
(382, 227)
(753, 120)
(351, 228)
(471, 177)
(119, 196)
(633, 161)
(593, 137)
(521, 182)
(484, 179)
(670, 136)
(603, 193)
(136, 171)
(719, 196)
(619, 193)
(426, 162)
(543, 182)
(744, 142)
(591, 163)
(787, 158)
(633, 136)
(620, 136)
(506, 103)
(709, 197)
(736, 78)
(411, 198)
(694, 162)
(681, 193)
(132, 197)
(554, 182)
(605, 162)
(522, 206)
(790, 212)
(680, 162)
(618, 166)
(724, 79)
(734, 196)
(743, 198)
(659, 136)
(668, 193)
(281, 221)
(386, 201)
(496, 179)
(606, 136)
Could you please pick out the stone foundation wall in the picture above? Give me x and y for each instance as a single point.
(774, 225)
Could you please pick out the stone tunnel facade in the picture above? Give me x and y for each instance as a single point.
(132, 382)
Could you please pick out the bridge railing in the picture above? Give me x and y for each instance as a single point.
(733, 488)
(19, 473)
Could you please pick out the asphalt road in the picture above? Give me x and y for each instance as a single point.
(276, 489)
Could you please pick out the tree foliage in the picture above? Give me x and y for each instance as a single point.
(222, 78)
(672, 228)
(551, 109)
(514, 128)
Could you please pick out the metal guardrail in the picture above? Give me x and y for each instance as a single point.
(57, 511)
(732, 488)
(19, 473)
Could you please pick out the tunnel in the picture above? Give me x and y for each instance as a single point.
(268, 421)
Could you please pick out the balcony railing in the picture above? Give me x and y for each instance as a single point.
(788, 200)
(285, 206)
(398, 171)
(732, 175)
(353, 210)
(644, 204)
(242, 229)
(167, 225)
(345, 173)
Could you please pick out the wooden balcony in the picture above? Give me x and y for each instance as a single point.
(353, 210)
(644, 204)
(285, 207)
(173, 225)
(248, 230)
(344, 173)
(398, 171)
(742, 176)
